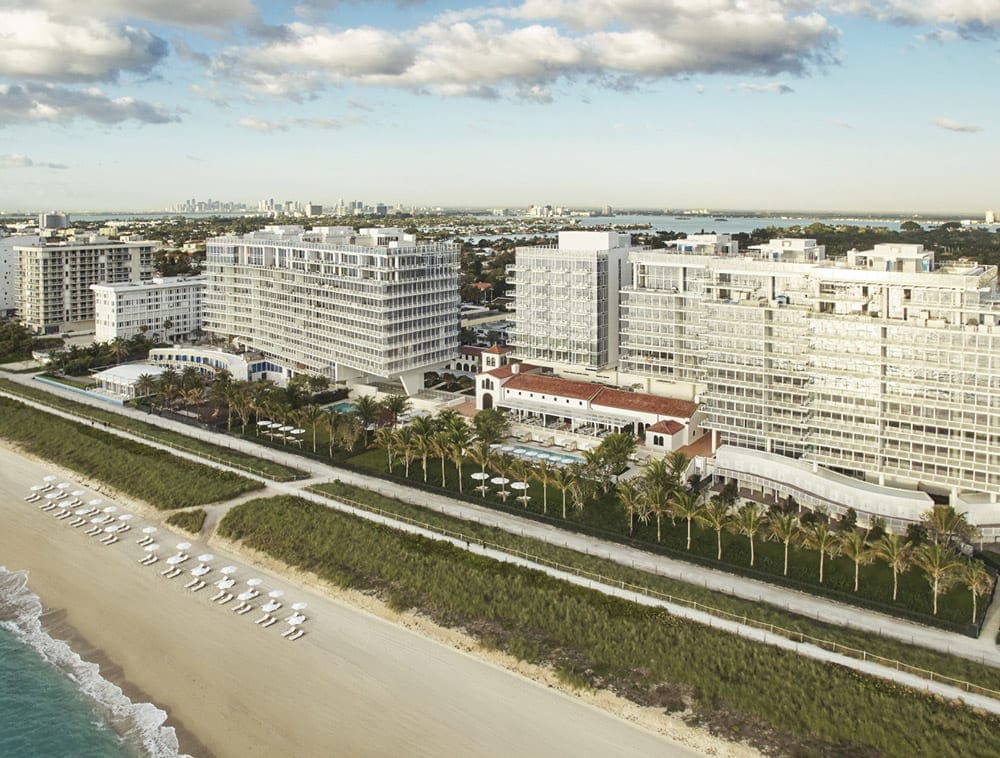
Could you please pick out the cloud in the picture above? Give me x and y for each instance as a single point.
(186, 52)
(263, 126)
(971, 18)
(939, 36)
(17, 160)
(195, 14)
(267, 126)
(34, 103)
(775, 88)
(843, 124)
(955, 126)
(524, 51)
(34, 45)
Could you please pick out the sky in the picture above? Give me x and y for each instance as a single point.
(867, 105)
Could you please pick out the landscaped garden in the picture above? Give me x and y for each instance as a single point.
(740, 689)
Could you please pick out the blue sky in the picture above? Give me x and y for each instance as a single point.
(758, 104)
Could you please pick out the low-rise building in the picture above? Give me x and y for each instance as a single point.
(167, 308)
(248, 367)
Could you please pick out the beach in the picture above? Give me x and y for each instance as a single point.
(356, 684)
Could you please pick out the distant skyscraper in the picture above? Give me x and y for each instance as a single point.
(53, 220)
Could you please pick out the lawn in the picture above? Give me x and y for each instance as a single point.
(740, 689)
(143, 472)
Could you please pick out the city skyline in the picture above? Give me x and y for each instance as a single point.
(838, 105)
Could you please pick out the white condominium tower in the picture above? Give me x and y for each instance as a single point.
(880, 365)
(566, 300)
(332, 301)
(54, 276)
(167, 308)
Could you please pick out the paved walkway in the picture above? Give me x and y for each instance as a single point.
(983, 650)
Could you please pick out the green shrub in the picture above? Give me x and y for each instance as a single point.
(190, 521)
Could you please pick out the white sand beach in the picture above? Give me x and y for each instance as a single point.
(356, 683)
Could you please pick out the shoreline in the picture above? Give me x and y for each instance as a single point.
(211, 672)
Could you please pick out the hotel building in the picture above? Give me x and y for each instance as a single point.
(374, 304)
(168, 308)
(55, 276)
(567, 301)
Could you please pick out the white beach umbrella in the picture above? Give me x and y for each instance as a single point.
(111, 509)
(96, 501)
(100, 519)
(152, 548)
(112, 528)
(37, 487)
(149, 530)
(519, 486)
(183, 545)
(77, 493)
(64, 485)
(206, 557)
(49, 478)
(502, 480)
(52, 496)
(173, 560)
(275, 593)
(225, 584)
(265, 422)
(299, 606)
(81, 511)
(248, 595)
(270, 605)
(200, 570)
(295, 620)
(480, 476)
(227, 570)
(126, 517)
(255, 582)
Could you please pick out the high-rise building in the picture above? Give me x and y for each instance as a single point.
(55, 277)
(348, 305)
(9, 275)
(168, 308)
(566, 300)
(53, 220)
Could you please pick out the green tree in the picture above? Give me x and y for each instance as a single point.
(543, 473)
(459, 439)
(629, 495)
(750, 521)
(491, 425)
(423, 433)
(941, 565)
(396, 406)
(820, 538)
(975, 577)
(715, 515)
(406, 447)
(853, 546)
(687, 506)
(145, 385)
(481, 455)
(898, 555)
(311, 415)
(784, 527)
(564, 479)
(385, 438)
(441, 448)
(369, 411)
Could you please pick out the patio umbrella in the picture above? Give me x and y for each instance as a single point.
(248, 595)
(183, 545)
(77, 493)
(227, 570)
(299, 606)
(265, 422)
(64, 485)
(173, 560)
(152, 548)
(149, 530)
(81, 511)
(206, 557)
(295, 620)
(49, 478)
(111, 509)
(200, 570)
(96, 501)
(501, 480)
(254, 582)
(225, 584)
(37, 487)
(519, 486)
(52, 496)
(126, 517)
(112, 528)
(275, 593)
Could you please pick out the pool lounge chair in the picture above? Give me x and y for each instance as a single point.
(144, 541)
(241, 606)
(264, 618)
(149, 560)
(49, 506)
(78, 521)
(64, 515)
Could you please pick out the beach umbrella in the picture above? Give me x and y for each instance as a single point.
(151, 548)
(126, 517)
(183, 545)
(64, 485)
(225, 584)
(77, 493)
(200, 570)
(275, 593)
(299, 606)
(52, 496)
(149, 530)
(480, 476)
(270, 605)
(96, 501)
(227, 570)
(112, 528)
(37, 487)
(111, 509)
(501, 480)
(507, 448)
(296, 619)
(173, 560)
(81, 511)
(49, 478)
(100, 520)
(265, 422)
(519, 486)
(298, 431)
(248, 595)
(254, 582)
(206, 557)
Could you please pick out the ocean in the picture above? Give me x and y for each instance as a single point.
(53, 704)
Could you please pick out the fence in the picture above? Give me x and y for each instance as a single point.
(790, 634)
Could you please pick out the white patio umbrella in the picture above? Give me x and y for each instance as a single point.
(295, 620)
(152, 548)
(111, 509)
(52, 496)
(111, 529)
(227, 570)
(81, 511)
(49, 478)
(501, 480)
(149, 530)
(206, 557)
(255, 582)
(77, 493)
(64, 485)
(275, 593)
(480, 476)
(183, 545)
(126, 517)
(96, 501)
(200, 570)
(270, 605)
(225, 584)
(100, 519)
(248, 595)
(173, 560)
(37, 487)
(519, 485)
(265, 422)
(299, 606)
(298, 431)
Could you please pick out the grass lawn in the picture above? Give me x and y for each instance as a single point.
(605, 518)
(144, 472)
(250, 463)
(738, 688)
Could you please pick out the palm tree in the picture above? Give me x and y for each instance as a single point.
(368, 411)
(385, 438)
(406, 447)
(750, 520)
(145, 385)
(940, 564)
(897, 553)
(482, 455)
(423, 432)
(716, 516)
(564, 479)
(978, 581)
(658, 501)
(520, 471)
(629, 496)
(853, 545)
(440, 445)
(944, 524)
(119, 349)
(396, 405)
(687, 505)
(311, 415)
(543, 474)
(459, 437)
(501, 466)
(819, 537)
(333, 420)
(784, 528)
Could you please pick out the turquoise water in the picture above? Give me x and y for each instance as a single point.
(54, 704)
(43, 713)
(343, 407)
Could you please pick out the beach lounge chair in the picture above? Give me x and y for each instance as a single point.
(78, 521)
(245, 610)
(49, 506)
(263, 618)
(166, 571)
(272, 620)
(124, 529)
(238, 608)
(61, 496)
(64, 515)
(110, 540)
(92, 531)
(32, 498)
(290, 632)
(295, 635)
(217, 595)
(144, 541)
(225, 598)
(199, 586)
(152, 559)
(45, 487)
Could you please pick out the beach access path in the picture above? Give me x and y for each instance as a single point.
(983, 649)
(355, 684)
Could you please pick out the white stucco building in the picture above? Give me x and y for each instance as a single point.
(374, 304)
(9, 263)
(167, 308)
(566, 300)
(248, 367)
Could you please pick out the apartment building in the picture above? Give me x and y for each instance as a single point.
(882, 366)
(9, 276)
(567, 300)
(372, 304)
(168, 308)
(55, 276)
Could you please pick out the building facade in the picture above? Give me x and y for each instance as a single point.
(9, 270)
(335, 302)
(55, 276)
(566, 300)
(167, 308)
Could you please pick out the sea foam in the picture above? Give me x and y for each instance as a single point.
(141, 725)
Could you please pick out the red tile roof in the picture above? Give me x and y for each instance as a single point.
(470, 349)
(552, 385)
(642, 403)
(506, 370)
(669, 426)
(498, 349)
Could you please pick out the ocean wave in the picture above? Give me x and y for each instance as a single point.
(141, 725)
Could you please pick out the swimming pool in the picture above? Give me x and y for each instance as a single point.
(343, 407)
(552, 455)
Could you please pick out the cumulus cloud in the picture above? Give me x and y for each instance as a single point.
(773, 88)
(34, 45)
(267, 126)
(971, 18)
(955, 126)
(34, 103)
(523, 51)
(196, 14)
(18, 160)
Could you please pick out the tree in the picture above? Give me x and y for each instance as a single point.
(658, 501)
(715, 515)
(119, 349)
(311, 415)
(629, 496)
(333, 419)
(945, 524)
(897, 553)
(853, 546)
(368, 411)
(978, 581)
(491, 425)
(750, 521)
(819, 537)
(940, 563)
(423, 432)
(520, 471)
(145, 385)
(441, 448)
(459, 437)
(405, 447)
(501, 465)
(384, 438)
(687, 505)
(396, 406)
(564, 479)
(543, 474)
(482, 455)
(784, 527)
